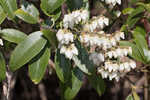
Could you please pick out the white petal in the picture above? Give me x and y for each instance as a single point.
(1, 42)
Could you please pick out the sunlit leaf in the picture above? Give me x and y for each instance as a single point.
(130, 97)
(63, 67)
(2, 68)
(71, 88)
(12, 35)
(29, 14)
(38, 65)
(2, 15)
(9, 7)
(26, 50)
(49, 6)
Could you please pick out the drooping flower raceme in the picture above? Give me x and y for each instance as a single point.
(97, 22)
(119, 52)
(66, 45)
(69, 51)
(64, 36)
(112, 2)
(110, 59)
(113, 70)
(74, 18)
(97, 58)
(105, 41)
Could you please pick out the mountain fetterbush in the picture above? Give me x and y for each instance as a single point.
(97, 22)
(75, 18)
(112, 2)
(110, 59)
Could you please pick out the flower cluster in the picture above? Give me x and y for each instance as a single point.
(97, 58)
(119, 52)
(109, 50)
(66, 45)
(64, 36)
(98, 22)
(1, 42)
(105, 41)
(69, 51)
(115, 70)
(112, 2)
(107, 54)
(74, 18)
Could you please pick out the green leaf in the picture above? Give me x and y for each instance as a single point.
(38, 65)
(146, 6)
(74, 4)
(49, 6)
(147, 55)
(70, 89)
(51, 36)
(2, 68)
(136, 97)
(130, 97)
(127, 11)
(97, 83)
(2, 15)
(132, 22)
(26, 50)
(12, 35)
(81, 66)
(135, 51)
(63, 67)
(140, 43)
(137, 11)
(29, 14)
(82, 60)
(139, 30)
(140, 40)
(9, 7)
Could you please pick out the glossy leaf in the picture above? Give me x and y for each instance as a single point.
(137, 11)
(130, 97)
(140, 43)
(81, 66)
(63, 67)
(2, 67)
(132, 22)
(49, 6)
(12, 35)
(82, 60)
(135, 51)
(139, 30)
(26, 50)
(29, 14)
(147, 55)
(97, 83)
(38, 65)
(145, 5)
(136, 97)
(127, 11)
(9, 7)
(2, 15)
(70, 89)
(51, 36)
(74, 4)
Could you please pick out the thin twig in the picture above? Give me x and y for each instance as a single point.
(145, 89)
(8, 85)
(51, 64)
(41, 88)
